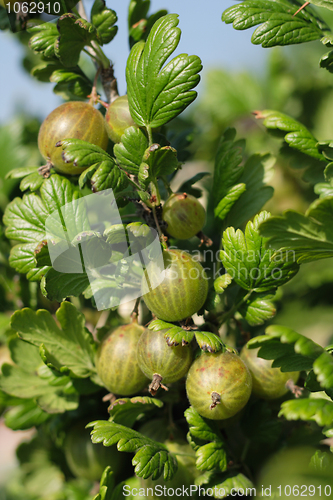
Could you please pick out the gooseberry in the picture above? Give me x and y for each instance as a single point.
(118, 118)
(183, 290)
(160, 362)
(268, 382)
(218, 385)
(71, 120)
(86, 459)
(116, 361)
(184, 215)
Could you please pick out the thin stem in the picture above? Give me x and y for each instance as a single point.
(94, 96)
(90, 54)
(150, 135)
(167, 186)
(234, 308)
(104, 61)
(135, 312)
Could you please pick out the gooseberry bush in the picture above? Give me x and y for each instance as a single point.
(159, 399)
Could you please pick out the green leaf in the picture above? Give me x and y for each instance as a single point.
(302, 238)
(258, 308)
(53, 392)
(139, 26)
(42, 255)
(290, 350)
(70, 347)
(19, 173)
(43, 39)
(327, 4)
(43, 71)
(104, 173)
(228, 168)
(211, 455)
(25, 416)
(258, 170)
(296, 135)
(104, 19)
(107, 176)
(157, 161)
(106, 485)
(75, 34)
(129, 152)
(316, 410)
(186, 187)
(71, 82)
(127, 410)
(150, 459)
(33, 182)
(208, 341)
(225, 205)
(25, 220)
(326, 61)
(323, 368)
(248, 261)
(58, 286)
(279, 26)
(222, 282)
(173, 334)
(229, 483)
(156, 95)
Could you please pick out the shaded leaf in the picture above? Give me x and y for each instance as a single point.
(70, 347)
(25, 220)
(43, 39)
(229, 483)
(228, 168)
(297, 136)
(303, 237)
(75, 34)
(186, 187)
(127, 410)
(106, 485)
(53, 392)
(58, 286)
(209, 455)
(25, 416)
(72, 82)
(150, 459)
(290, 350)
(317, 410)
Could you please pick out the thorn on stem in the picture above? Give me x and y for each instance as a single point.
(301, 8)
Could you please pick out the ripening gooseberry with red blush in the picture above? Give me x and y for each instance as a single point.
(71, 120)
(218, 385)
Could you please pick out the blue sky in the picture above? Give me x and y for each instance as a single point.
(203, 34)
